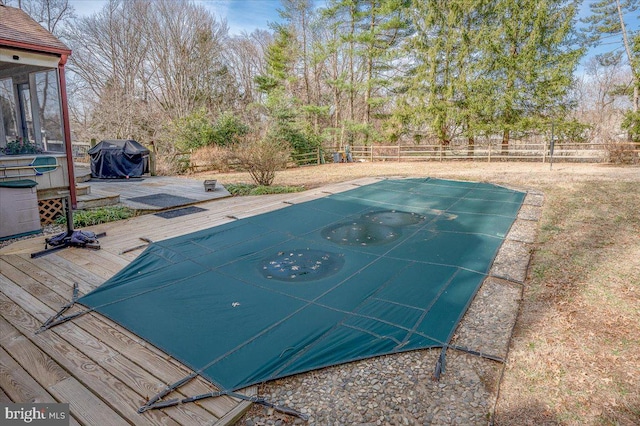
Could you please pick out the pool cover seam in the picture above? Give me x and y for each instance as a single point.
(291, 237)
(314, 302)
(262, 332)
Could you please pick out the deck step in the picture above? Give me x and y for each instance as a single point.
(83, 189)
(82, 173)
(97, 199)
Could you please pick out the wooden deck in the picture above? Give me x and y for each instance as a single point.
(184, 191)
(103, 371)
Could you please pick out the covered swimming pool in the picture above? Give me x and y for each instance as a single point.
(379, 269)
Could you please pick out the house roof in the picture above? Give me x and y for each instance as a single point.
(19, 30)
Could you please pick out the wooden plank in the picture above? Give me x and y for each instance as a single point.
(86, 280)
(105, 258)
(72, 419)
(45, 371)
(32, 288)
(139, 380)
(18, 384)
(7, 333)
(81, 260)
(85, 406)
(234, 415)
(113, 391)
(38, 364)
(21, 263)
(121, 368)
(26, 301)
(4, 398)
(218, 408)
(162, 366)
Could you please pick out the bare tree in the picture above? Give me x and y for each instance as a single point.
(185, 62)
(109, 57)
(601, 99)
(245, 57)
(51, 14)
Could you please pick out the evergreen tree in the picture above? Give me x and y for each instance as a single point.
(371, 33)
(281, 105)
(444, 89)
(386, 27)
(532, 55)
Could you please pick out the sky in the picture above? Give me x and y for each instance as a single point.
(241, 15)
(248, 15)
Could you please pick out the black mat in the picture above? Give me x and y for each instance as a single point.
(170, 214)
(163, 200)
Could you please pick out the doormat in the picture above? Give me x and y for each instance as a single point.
(163, 200)
(170, 214)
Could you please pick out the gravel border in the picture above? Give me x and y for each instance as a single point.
(399, 389)
(46, 230)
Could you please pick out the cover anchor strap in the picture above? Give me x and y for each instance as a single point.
(57, 318)
(156, 403)
(440, 365)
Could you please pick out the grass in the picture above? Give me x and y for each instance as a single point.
(84, 218)
(581, 302)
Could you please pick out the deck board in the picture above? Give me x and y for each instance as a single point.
(103, 370)
(4, 398)
(84, 405)
(18, 384)
(120, 397)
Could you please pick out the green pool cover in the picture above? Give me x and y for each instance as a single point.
(379, 269)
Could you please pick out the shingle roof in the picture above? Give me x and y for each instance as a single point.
(18, 29)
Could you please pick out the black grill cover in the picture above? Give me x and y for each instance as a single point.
(112, 159)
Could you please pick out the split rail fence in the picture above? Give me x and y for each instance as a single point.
(617, 152)
(622, 152)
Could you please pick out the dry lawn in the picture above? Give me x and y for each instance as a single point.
(575, 353)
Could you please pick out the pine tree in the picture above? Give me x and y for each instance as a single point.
(371, 32)
(532, 56)
(443, 86)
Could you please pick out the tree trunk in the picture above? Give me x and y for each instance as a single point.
(471, 146)
(505, 142)
(367, 93)
(351, 70)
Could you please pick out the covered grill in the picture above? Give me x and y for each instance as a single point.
(118, 159)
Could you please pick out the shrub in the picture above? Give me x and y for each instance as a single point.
(193, 131)
(621, 153)
(252, 189)
(631, 124)
(262, 157)
(228, 129)
(211, 158)
(83, 218)
(197, 130)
